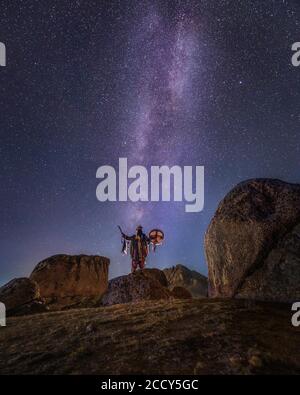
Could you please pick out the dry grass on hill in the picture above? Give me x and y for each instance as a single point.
(166, 337)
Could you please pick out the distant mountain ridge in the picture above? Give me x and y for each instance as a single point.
(181, 276)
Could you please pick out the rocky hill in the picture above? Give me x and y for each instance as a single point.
(181, 276)
(195, 336)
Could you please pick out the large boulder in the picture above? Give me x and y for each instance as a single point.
(252, 244)
(21, 296)
(192, 281)
(72, 280)
(142, 285)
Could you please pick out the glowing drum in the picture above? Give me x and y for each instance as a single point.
(156, 236)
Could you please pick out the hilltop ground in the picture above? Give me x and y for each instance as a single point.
(167, 337)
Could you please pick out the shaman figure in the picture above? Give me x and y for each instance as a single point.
(139, 245)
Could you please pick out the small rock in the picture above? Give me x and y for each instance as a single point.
(255, 361)
(90, 328)
(236, 361)
(199, 367)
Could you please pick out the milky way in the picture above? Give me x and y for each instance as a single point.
(159, 82)
(164, 63)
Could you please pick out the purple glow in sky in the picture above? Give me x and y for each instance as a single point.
(164, 53)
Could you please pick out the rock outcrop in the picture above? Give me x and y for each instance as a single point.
(252, 244)
(66, 280)
(192, 281)
(22, 296)
(158, 275)
(144, 284)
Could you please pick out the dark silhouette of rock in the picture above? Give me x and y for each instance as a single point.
(22, 296)
(252, 244)
(19, 291)
(34, 307)
(181, 293)
(192, 281)
(71, 281)
(135, 287)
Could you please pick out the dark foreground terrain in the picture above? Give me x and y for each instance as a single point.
(166, 337)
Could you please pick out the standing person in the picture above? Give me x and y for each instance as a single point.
(139, 248)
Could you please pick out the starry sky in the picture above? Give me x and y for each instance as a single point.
(207, 82)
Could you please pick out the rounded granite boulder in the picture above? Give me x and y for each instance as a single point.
(252, 244)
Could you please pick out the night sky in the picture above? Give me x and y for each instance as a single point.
(159, 82)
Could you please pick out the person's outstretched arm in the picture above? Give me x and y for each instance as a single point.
(127, 237)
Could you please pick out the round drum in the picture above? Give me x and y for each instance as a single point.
(156, 236)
